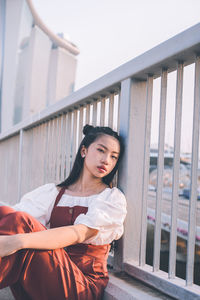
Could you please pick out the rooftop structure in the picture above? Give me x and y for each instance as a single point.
(37, 67)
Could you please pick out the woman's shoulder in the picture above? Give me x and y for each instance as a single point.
(111, 200)
(41, 194)
(116, 191)
(115, 194)
(45, 188)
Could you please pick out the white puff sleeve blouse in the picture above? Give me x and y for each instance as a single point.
(106, 211)
(39, 202)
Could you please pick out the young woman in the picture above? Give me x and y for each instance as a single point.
(54, 244)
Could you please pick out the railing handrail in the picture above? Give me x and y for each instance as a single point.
(178, 48)
(56, 39)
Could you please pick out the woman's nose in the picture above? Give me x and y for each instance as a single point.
(105, 159)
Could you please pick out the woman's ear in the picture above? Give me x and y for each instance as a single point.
(83, 151)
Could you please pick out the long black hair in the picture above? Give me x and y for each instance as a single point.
(91, 134)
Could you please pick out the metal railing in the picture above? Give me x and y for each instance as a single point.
(42, 149)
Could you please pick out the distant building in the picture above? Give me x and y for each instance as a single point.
(37, 67)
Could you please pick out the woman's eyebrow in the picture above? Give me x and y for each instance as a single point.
(107, 148)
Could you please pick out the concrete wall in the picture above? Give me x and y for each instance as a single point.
(62, 71)
(37, 72)
(39, 68)
(12, 27)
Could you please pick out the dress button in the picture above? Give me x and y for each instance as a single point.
(70, 210)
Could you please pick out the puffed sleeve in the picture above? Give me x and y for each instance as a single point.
(106, 213)
(39, 202)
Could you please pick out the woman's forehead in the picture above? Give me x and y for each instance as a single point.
(110, 142)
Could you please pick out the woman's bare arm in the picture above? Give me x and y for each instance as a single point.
(57, 237)
(47, 240)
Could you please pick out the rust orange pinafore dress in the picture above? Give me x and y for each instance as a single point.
(78, 272)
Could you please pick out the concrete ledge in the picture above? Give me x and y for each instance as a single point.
(120, 287)
(5, 294)
(124, 287)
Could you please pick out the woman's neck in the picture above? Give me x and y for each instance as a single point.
(85, 185)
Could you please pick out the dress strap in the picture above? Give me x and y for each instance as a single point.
(61, 192)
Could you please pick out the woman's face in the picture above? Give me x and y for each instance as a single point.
(101, 156)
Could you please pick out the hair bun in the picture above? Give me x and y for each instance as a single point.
(87, 129)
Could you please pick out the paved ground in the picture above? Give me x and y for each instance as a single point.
(5, 294)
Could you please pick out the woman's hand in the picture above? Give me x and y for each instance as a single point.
(9, 244)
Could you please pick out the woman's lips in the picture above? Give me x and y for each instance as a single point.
(101, 169)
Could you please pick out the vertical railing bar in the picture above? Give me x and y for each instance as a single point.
(36, 157)
(118, 113)
(38, 147)
(55, 148)
(6, 167)
(54, 152)
(37, 134)
(87, 118)
(107, 99)
(59, 153)
(98, 111)
(52, 149)
(68, 142)
(34, 171)
(42, 158)
(45, 152)
(194, 174)
(80, 133)
(115, 179)
(28, 165)
(3, 164)
(74, 137)
(63, 143)
(149, 92)
(48, 147)
(94, 117)
(111, 107)
(124, 128)
(48, 151)
(33, 156)
(160, 167)
(176, 167)
(20, 163)
(102, 113)
(61, 146)
(56, 144)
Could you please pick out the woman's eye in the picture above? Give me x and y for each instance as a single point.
(114, 157)
(100, 150)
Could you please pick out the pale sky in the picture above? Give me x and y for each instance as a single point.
(112, 32)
